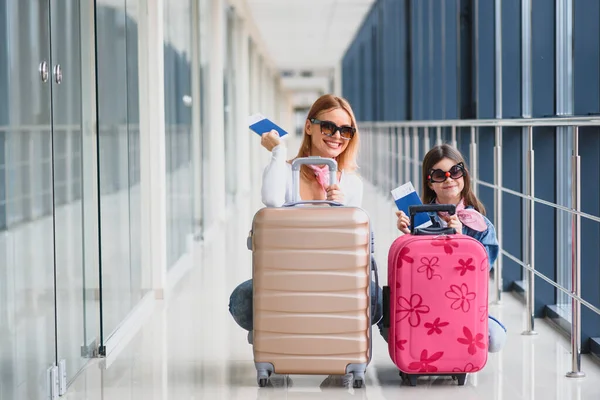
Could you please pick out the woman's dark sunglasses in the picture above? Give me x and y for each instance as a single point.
(438, 176)
(328, 128)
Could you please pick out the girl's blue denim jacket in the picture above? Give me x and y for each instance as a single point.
(487, 238)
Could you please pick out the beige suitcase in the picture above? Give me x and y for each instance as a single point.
(311, 276)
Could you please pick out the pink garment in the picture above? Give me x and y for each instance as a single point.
(322, 175)
(468, 217)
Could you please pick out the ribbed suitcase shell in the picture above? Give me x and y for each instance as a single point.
(438, 304)
(311, 274)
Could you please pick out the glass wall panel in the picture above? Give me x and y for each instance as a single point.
(89, 172)
(178, 126)
(139, 287)
(68, 159)
(118, 143)
(27, 328)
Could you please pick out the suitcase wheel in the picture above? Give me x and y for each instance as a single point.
(462, 378)
(262, 377)
(358, 379)
(404, 377)
(413, 380)
(408, 378)
(358, 383)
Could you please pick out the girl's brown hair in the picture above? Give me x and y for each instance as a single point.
(435, 155)
(347, 159)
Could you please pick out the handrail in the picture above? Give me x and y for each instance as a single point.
(538, 200)
(392, 160)
(509, 122)
(566, 291)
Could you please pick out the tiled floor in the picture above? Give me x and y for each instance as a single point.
(192, 349)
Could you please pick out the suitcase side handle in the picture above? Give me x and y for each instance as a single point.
(386, 307)
(329, 202)
(313, 160)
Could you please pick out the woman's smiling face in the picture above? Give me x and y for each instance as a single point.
(328, 146)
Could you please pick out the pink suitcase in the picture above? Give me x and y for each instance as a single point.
(436, 302)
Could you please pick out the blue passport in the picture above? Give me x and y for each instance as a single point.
(261, 124)
(406, 196)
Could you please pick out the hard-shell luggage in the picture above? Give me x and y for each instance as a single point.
(436, 301)
(311, 276)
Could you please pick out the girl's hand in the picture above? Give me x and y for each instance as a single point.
(454, 222)
(403, 222)
(334, 193)
(269, 140)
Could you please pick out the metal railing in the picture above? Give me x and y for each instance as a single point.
(387, 157)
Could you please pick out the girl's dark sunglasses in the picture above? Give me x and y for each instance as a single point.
(438, 176)
(328, 128)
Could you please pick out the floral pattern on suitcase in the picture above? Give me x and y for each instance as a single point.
(438, 304)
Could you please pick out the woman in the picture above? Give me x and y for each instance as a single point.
(329, 131)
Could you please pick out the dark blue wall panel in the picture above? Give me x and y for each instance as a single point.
(590, 232)
(436, 44)
(3, 113)
(543, 89)
(466, 60)
(512, 213)
(511, 58)
(425, 27)
(485, 92)
(416, 59)
(481, 16)
(586, 69)
(542, 58)
(449, 61)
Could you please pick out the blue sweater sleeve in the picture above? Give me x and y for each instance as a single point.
(487, 238)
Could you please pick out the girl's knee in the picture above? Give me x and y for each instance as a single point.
(497, 335)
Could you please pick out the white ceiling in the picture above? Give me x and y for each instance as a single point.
(307, 34)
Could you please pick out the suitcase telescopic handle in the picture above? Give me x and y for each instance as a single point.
(413, 210)
(296, 166)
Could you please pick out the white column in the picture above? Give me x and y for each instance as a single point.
(244, 136)
(152, 144)
(254, 107)
(216, 127)
(337, 79)
(196, 121)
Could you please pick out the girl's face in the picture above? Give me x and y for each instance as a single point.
(328, 146)
(450, 190)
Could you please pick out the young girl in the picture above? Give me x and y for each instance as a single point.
(446, 180)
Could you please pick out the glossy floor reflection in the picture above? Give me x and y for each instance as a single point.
(192, 349)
